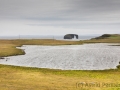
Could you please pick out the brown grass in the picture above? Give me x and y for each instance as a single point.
(102, 41)
(9, 50)
(8, 47)
(25, 78)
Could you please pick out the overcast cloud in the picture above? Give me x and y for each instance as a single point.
(58, 17)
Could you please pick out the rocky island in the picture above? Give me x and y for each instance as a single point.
(71, 36)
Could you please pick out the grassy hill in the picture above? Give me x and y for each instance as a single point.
(109, 36)
(105, 38)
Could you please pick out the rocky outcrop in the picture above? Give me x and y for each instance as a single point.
(71, 36)
(107, 36)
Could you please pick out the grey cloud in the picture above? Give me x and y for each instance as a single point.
(80, 24)
(66, 9)
(79, 14)
(31, 8)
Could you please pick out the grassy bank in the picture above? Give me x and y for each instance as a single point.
(9, 50)
(25, 78)
(8, 47)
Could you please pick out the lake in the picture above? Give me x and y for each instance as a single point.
(67, 57)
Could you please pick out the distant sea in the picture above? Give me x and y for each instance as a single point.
(57, 37)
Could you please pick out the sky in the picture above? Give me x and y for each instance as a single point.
(59, 17)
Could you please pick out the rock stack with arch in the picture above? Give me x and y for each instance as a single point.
(71, 36)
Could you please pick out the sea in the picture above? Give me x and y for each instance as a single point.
(57, 37)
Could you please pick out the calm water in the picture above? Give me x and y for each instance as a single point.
(98, 56)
